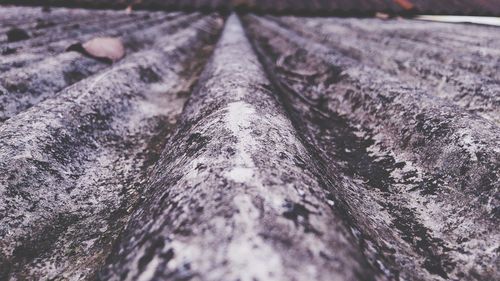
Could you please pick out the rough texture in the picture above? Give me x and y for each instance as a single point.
(308, 148)
(88, 152)
(28, 85)
(255, 204)
(418, 175)
(23, 53)
(460, 66)
(322, 7)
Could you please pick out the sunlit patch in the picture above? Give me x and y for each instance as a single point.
(461, 19)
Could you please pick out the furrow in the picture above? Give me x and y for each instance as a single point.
(470, 43)
(16, 15)
(68, 186)
(23, 55)
(235, 194)
(474, 44)
(56, 32)
(472, 35)
(468, 78)
(90, 24)
(27, 86)
(416, 174)
(38, 26)
(42, 21)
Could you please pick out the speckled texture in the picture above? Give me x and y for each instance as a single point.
(255, 204)
(248, 148)
(35, 82)
(418, 174)
(419, 53)
(68, 185)
(53, 40)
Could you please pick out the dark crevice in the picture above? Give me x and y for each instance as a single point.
(323, 174)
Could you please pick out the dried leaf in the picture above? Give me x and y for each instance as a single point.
(102, 48)
(105, 47)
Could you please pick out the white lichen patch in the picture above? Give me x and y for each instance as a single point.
(238, 118)
(252, 258)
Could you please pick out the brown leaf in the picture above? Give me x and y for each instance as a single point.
(103, 48)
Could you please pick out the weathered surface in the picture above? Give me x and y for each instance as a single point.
(315, 7)
(457, 63)
(18, 54)
(31, 84)
(68, 185)
(308, 149)
(36, 22)
(418, 175)
(255, 204)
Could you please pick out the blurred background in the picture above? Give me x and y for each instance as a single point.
(314, 7)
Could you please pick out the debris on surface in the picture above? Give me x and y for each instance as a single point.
(103, 48)
(248, 147)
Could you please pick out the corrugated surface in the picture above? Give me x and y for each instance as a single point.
(248, 148)
(319, 7)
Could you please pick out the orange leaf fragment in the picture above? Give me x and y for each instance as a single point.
(405, 4)
(107, 49)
